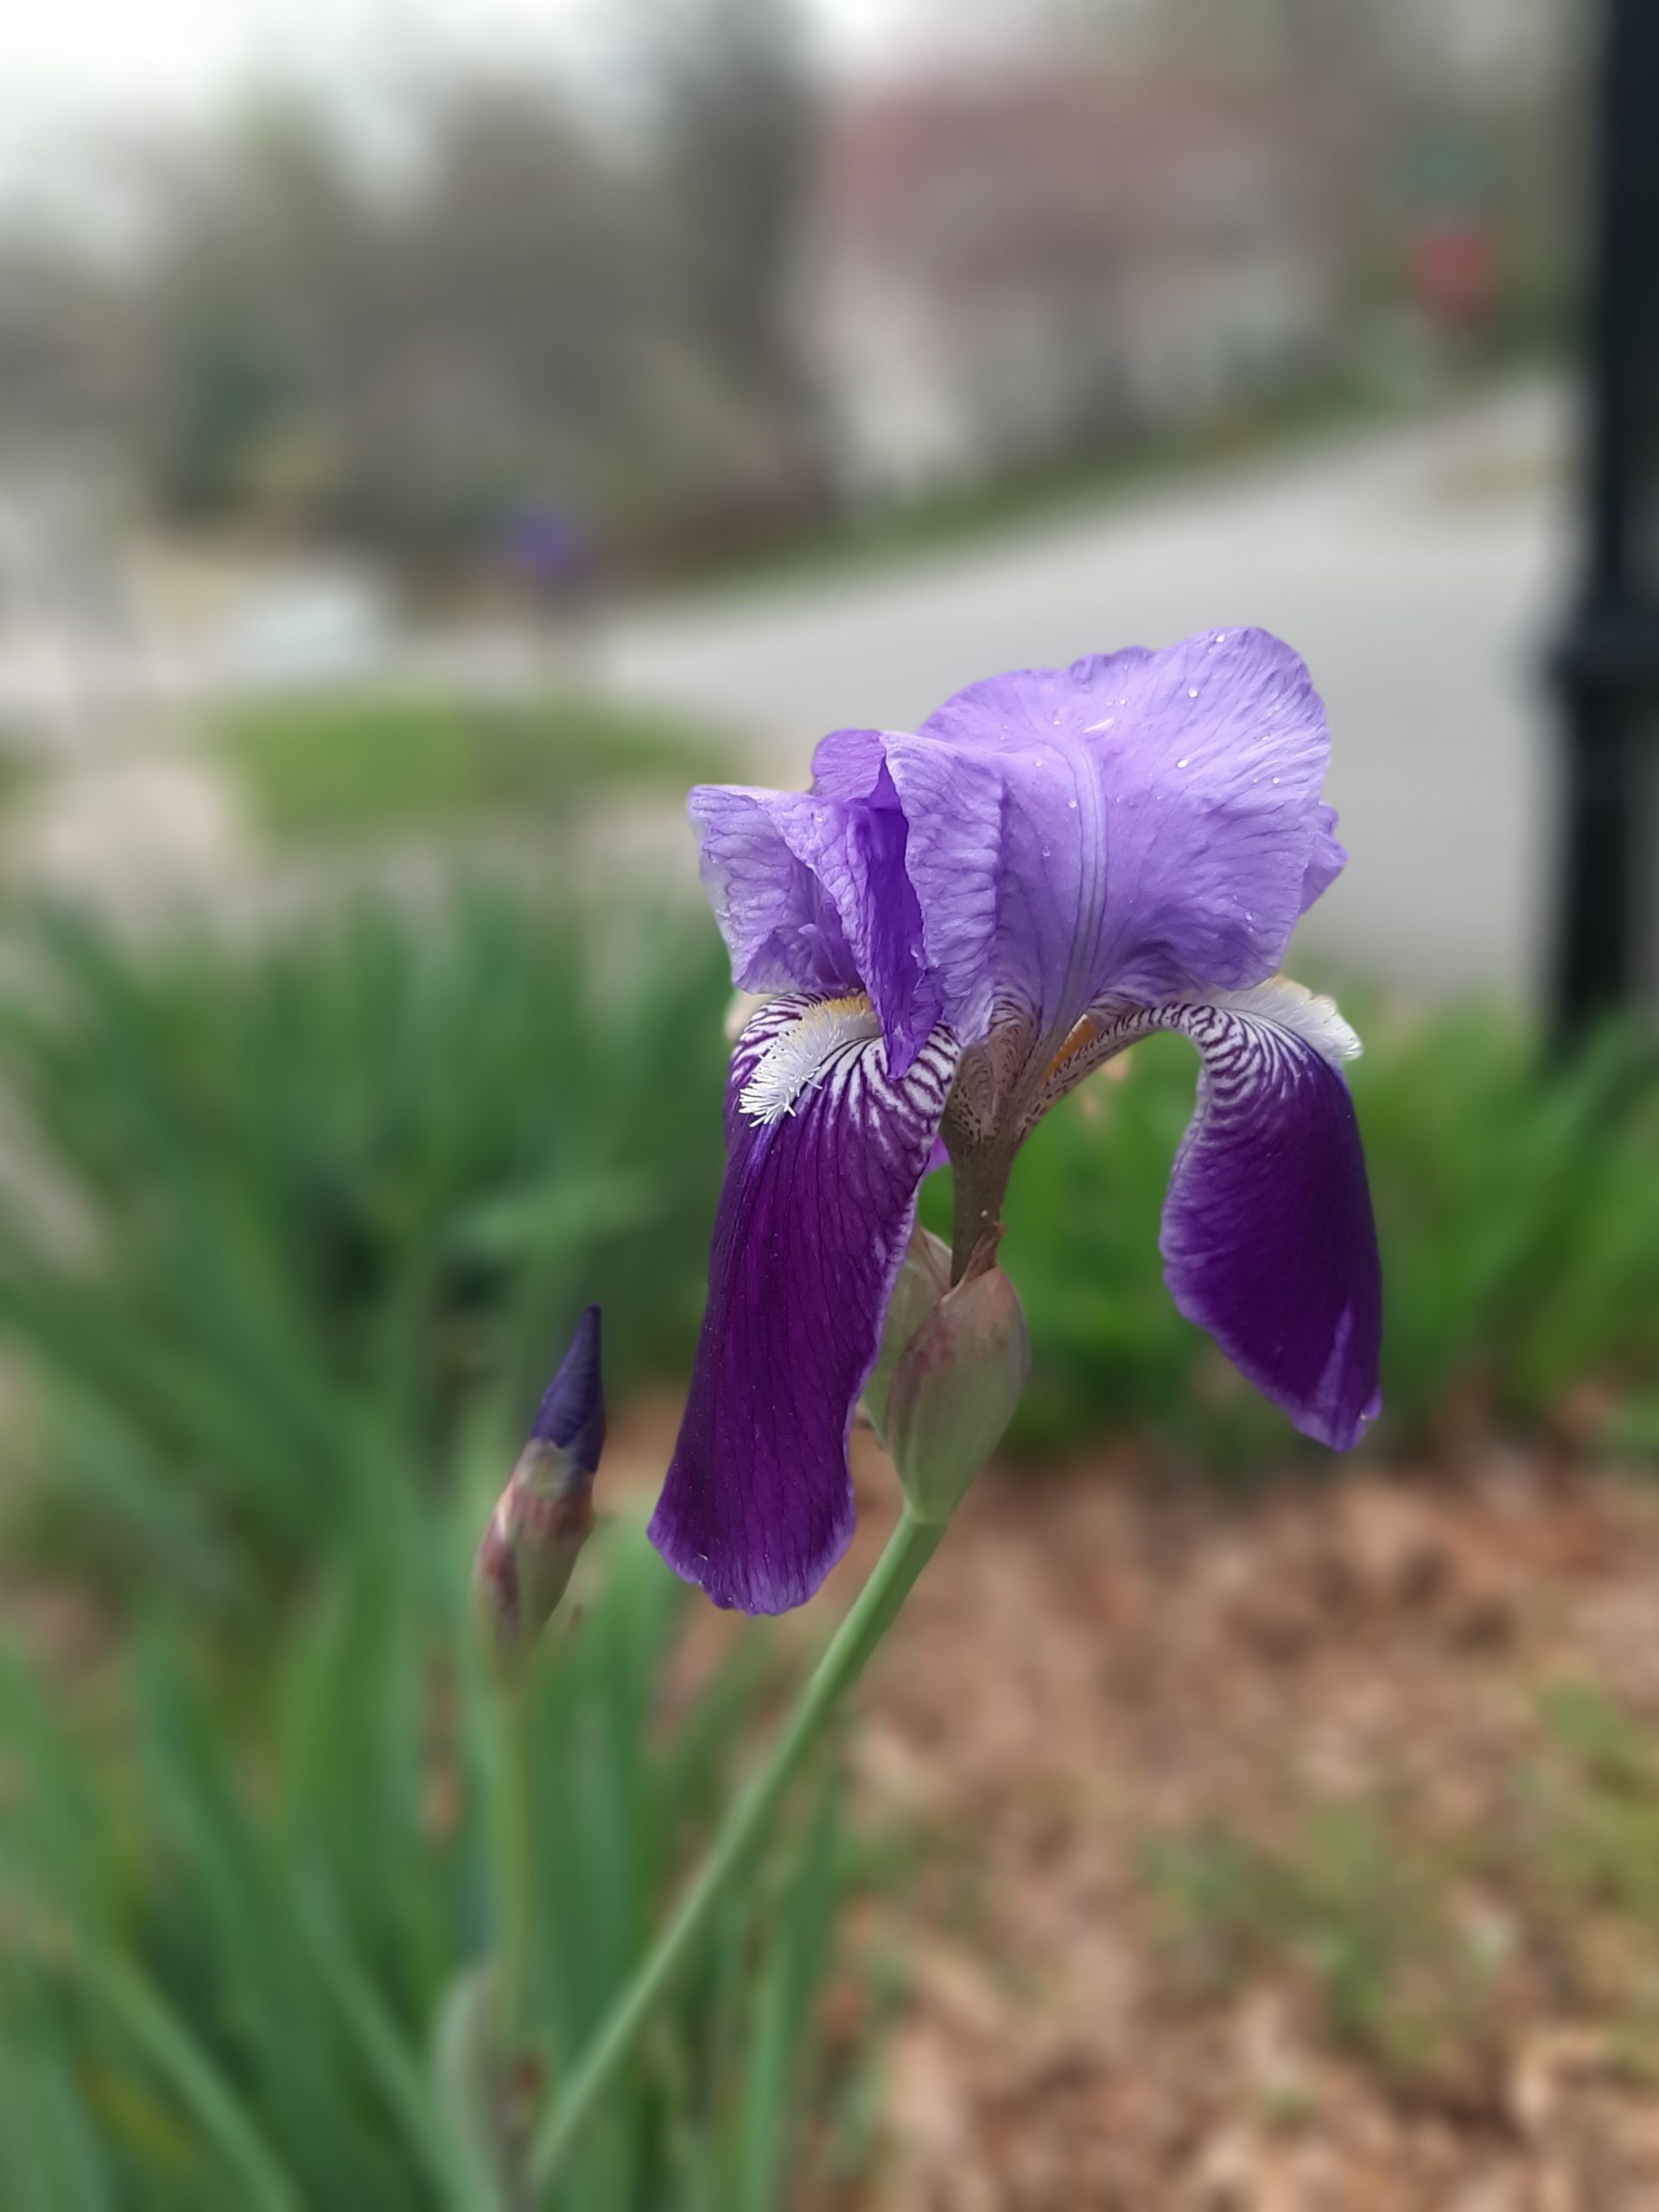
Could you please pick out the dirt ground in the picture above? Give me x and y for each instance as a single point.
(1400, 1957)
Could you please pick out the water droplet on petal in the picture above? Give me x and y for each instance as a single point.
(1193, 691)
(1073, 803)
(1275, 780)
(1181, 764)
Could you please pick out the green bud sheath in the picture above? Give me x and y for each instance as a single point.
(923, 1281)
(955, 1386)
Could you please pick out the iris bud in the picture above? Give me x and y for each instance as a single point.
(956, 1385)
(923, 1281)
(543, 1515)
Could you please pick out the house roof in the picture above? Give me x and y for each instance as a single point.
(957, 176)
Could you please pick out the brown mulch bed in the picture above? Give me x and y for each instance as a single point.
(1106, 1656)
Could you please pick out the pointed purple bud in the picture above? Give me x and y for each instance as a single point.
(542, 1517)
(572, 1414)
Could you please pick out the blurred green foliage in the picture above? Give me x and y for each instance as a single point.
(351, 766)
(1517, 1209)
(243, 1959)
(291, 1216)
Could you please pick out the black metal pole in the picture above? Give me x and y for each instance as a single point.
(1608, 664)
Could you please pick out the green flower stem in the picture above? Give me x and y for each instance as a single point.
(509, 2117)
(912, 1545)
(515, 1875)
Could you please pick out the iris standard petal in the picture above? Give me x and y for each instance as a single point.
(1268, 1240)
(780, 929)
(1327, 860)
(811, 891)
(1142, 822)
(826, 1153)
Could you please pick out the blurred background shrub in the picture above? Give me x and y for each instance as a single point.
(288, 1215)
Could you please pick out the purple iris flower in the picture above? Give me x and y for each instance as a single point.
(959, 924)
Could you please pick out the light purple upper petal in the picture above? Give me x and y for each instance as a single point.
(1153, 820)
(779, 926)
(811, 891)
(1147, 823)
(826, 1152)
(1327, 858)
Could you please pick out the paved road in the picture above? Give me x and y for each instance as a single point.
(1418, 571)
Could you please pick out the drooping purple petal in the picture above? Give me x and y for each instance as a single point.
(1268, 1240)
(826, 1152)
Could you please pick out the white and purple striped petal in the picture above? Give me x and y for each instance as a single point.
(826, 1151)
(1268, 1241)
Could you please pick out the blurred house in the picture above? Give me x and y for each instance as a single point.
(997, 269)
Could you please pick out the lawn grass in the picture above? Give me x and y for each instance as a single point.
(351, 766)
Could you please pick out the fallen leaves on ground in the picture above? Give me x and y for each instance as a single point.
(1254, 1874)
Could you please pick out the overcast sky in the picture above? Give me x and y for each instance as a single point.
(70, 65)
(70, 60)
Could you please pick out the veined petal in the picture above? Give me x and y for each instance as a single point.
(780, 927)
(1144, 824)
(825, 1152)
(1328, 858)
(1139, 822)
(1268, 1240)
(811, 891)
